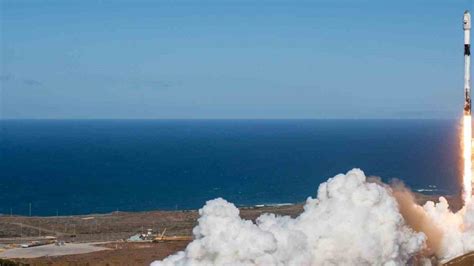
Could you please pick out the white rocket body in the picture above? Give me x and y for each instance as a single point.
(467, 62)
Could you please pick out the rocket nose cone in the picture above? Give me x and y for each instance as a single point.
(467, 20)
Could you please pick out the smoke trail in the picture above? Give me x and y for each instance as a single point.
(351, 222)
(417, 218)
(449, 234)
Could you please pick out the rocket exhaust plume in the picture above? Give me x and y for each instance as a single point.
(467, 128)
(467, 175)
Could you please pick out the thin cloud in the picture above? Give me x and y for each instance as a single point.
(150, 84)
(6, 77)
(32, 82)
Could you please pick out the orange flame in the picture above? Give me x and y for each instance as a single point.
(467, 158)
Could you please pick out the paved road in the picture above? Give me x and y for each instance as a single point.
(51, 250)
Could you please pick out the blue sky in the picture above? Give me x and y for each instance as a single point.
(232, 59)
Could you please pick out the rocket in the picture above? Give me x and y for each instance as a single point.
(467, 62)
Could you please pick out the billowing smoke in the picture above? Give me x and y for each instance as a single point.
(457, 228)
(417, 218)
(449, 234)
(351, 222)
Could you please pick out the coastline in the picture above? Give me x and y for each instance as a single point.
(110, 231)
(113, 229)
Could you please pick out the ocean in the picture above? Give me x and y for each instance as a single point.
(66, 167)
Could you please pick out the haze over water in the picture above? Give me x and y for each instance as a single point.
(87, 166)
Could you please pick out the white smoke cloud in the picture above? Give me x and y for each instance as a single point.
(457, 228)
(351, 222)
